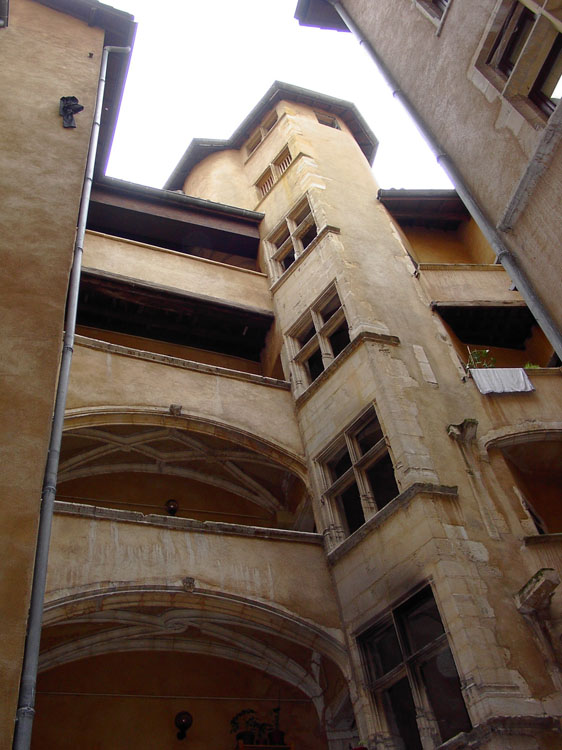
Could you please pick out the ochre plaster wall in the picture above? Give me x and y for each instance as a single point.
(104, 381)
(465, 245)
(131, 699)
(87, 553)
(42, 168)
(221, 178)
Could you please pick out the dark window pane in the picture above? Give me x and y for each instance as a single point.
(288, 259)
(281, 238)
(314, 364)
(382, 481)
(301, 214)
(330, 308)
(339, 339)
(401, 714)
(339, 463)
(443, 688)
(547, 89)
(307, 334)
(501, 36)
(382, 652)
(352, 508)
(420, 620)
(517, 41)
(369, 435)
(308, 236)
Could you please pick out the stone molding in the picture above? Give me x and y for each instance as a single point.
(185, 364)
(184, 524)
(361, 338)
(526, 726)
(400, 502)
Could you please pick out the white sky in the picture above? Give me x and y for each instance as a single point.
(200, 66)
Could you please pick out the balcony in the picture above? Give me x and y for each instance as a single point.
(462, 283)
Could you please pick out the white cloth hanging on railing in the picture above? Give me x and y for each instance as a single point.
(501, 380)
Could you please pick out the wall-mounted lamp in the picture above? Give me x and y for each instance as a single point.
(172, 506)
(183, 721)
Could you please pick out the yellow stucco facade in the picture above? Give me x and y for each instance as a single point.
(280, 486)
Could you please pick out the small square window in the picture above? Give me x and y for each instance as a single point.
(253, 143)
(328, 120)
(283, 161)
(265, 183)
(258, 136)
(274, 172)
(435, 8)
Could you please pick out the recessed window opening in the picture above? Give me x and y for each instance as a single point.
(524, 58)
(412, 674)
(283, 161)
(253, 143)
(257, 137)
(435, 8)
(359, 473)
(290, 240)
(547, 89)
(265, 183)
(536, 467)
(320, 336)
(269, 122)
(274, 172)
(328, 120)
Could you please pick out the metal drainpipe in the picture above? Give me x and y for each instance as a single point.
(26, 703)
(503, 254)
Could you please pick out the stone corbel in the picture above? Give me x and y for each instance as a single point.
(533, 602)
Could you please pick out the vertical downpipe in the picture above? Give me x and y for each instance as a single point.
(26, 703)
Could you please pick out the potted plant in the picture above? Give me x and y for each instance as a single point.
(261, 729)
(276, 736)
(247, 719)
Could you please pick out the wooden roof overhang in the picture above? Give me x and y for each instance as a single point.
(171, 220)
(200, 148)
(116, 303)
(319, 14)
(434, 209)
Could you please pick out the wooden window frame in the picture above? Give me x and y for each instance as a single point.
(518, 54)
(410, 667)
(288, 239)
(319, 341)
(265, 127)
(357, 474)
